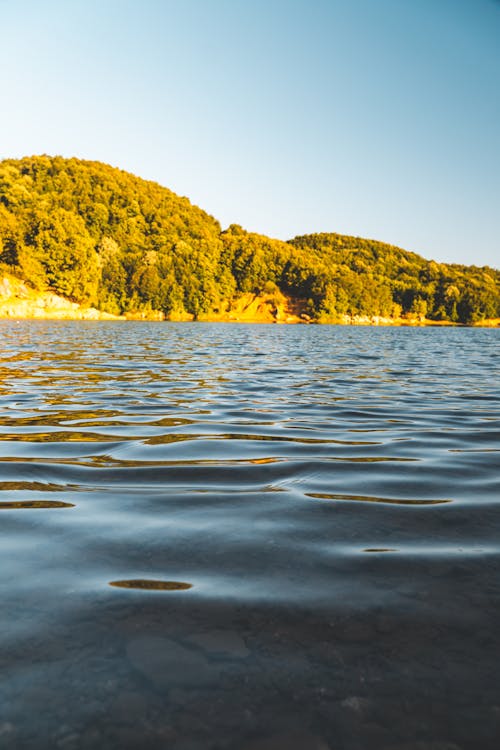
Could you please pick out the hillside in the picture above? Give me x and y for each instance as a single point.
(102, 237)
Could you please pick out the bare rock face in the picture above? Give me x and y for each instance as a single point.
(5, 287)
(19, 301)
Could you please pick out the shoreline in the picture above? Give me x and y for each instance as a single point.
(97, 316)
(20, 302)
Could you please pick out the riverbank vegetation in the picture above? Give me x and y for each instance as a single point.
(102, 237)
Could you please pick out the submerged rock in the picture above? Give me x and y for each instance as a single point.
(222, 643)
(167, 664)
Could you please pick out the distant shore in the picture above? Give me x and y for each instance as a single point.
(18, 301)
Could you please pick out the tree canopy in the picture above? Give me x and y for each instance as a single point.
(101, 236)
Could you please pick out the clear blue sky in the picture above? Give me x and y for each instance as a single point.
(379, 118)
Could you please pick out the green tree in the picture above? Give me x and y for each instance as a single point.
(64, 248)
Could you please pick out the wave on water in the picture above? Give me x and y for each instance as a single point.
(231, 533)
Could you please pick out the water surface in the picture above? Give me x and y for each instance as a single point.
(247, 537)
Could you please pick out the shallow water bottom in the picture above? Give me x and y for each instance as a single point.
(157, 670)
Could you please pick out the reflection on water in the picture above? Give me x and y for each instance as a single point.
(16, 505)
(142, 583)
(380, 549)
(210, 588)
(370, 499)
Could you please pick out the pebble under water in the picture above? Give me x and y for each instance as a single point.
(237, 537)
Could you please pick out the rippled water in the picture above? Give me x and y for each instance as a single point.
(249, 537)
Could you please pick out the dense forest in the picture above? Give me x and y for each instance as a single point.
(103, 237)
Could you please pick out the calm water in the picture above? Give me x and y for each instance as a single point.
(300, 525)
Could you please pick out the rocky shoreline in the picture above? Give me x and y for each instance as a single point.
(17, 300)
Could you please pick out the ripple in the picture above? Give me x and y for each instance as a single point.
(294, 499)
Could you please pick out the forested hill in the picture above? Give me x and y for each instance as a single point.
(103, 237)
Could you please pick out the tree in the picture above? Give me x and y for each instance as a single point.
(64, 248)
(93, 232)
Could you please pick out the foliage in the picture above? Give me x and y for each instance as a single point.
(373, 278)
(101, 236)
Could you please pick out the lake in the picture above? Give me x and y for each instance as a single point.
(237, 537)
